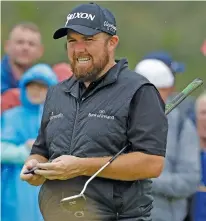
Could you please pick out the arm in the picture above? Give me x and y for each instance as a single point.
(13, 154)
(39, 149)
(185, 179)
(147, 132)
(39, 152)
(9, 131)
(123, 167)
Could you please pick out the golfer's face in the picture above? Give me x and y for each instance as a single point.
(88, 55)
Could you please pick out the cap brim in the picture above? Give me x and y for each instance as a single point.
(61, 32)
(177, 67)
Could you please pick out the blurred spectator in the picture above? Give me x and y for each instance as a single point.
(187, 107)
(201, 119)
(63, 71)
(10, 99)
(200, 197)
(203, 48)
(20, 127)
(180, 176)
(23, 48)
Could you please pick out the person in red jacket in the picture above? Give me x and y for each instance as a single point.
(10, 99)
(63, 71)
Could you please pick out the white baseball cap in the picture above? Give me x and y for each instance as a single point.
(157, 72)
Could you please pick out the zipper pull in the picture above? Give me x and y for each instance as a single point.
(117, 216)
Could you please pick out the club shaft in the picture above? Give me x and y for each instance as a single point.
(92, 177)
(103, 167)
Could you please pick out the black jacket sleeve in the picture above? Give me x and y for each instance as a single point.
(39, 147)
(148, 125)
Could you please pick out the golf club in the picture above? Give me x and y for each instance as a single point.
(76, 203)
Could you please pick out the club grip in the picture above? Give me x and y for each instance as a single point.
(186, 92)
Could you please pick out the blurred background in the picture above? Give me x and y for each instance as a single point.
(177, 27)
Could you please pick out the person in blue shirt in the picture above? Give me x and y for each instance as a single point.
(23, 48)
(200, 196)
(20, 127)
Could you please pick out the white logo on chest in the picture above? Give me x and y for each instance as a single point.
(102, 114)
(52, 117)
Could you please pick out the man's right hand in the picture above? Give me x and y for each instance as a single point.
(32, 179)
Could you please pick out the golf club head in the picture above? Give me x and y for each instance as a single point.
(75, 204)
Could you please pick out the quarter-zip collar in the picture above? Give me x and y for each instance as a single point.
(72, 85)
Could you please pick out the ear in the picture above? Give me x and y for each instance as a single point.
(113, 42)
(6, 47)
(173, 89)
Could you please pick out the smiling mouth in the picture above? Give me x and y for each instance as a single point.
(83, 60)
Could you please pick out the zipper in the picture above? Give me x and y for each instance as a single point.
(73, 131)
(117, 216)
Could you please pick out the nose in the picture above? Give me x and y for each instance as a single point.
(79, 47)
(25, 46)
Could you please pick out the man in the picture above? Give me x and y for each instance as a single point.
(200, 196)
(89, 118)
(19, 129)
(180, 176)
(23, 48)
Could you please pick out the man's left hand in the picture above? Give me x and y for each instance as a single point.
(62, 168)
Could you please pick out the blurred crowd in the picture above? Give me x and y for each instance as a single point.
(180, 191)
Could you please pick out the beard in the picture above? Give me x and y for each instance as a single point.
(92, 72)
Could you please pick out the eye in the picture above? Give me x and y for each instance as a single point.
(88, 39)
(32, 44)
(71, 40)
(20, 42)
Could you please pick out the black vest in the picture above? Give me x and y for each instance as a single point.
(93, 126)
